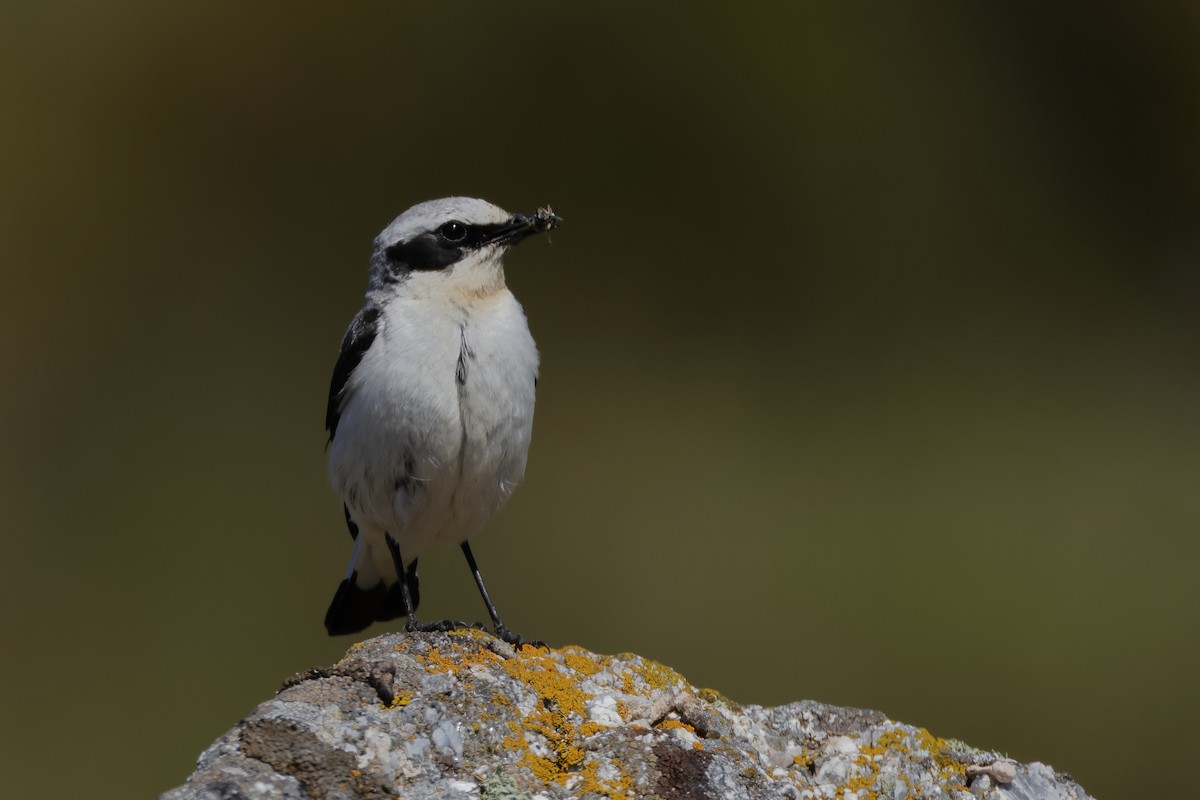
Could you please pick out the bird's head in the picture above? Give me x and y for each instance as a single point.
(450, 246)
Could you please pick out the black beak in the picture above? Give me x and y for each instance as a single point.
(520, 226)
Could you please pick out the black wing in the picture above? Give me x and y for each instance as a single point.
(359, 336)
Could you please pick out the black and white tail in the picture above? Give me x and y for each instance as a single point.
(364, 596)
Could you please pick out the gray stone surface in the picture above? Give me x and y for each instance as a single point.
(462, 715)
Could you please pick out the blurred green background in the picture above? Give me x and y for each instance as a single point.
(870, 356)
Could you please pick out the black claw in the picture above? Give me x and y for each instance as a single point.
(440, 626)
(516, 639)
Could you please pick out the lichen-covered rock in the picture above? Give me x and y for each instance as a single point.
(464, 715)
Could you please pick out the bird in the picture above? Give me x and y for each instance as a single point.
(430, 408)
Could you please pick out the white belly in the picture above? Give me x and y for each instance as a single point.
(434, 435)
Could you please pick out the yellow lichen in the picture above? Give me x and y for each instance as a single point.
(659, 676)
(888, 740)
(936, 747)
(458, 659)
(399, 700)
(671, 722)
(863, 786)
(541, 672)
(590, 728)
(919, 743)
(560, 719)
(580, 661)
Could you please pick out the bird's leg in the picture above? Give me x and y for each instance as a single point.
(411, 623)
(498, 626)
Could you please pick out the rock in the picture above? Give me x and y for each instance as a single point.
(464, 715)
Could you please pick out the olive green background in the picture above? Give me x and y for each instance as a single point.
(870, 356)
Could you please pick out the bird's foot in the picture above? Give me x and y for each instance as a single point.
(516, 639)
(439, 626)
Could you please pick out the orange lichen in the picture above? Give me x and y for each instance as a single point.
(560, 720)
(457, 660)
(659, 676)
(398, 701)
(641, 674)
(862, 786)
(937, 749)
(671, 722)
(590, 728)
(918, 743)
(542, 673)
(580, 661)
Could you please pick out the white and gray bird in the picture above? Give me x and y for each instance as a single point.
(431, 404)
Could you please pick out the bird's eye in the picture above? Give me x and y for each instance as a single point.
(453, 231)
